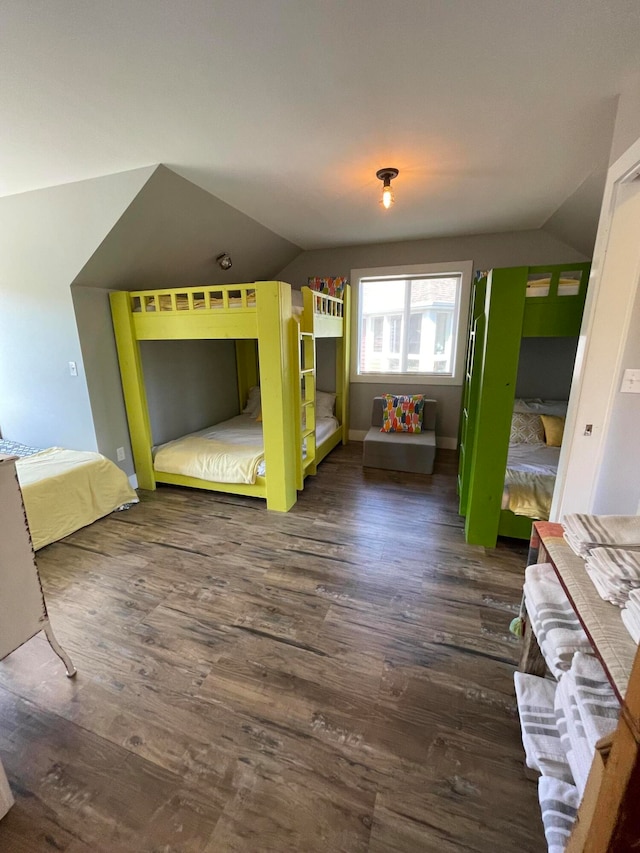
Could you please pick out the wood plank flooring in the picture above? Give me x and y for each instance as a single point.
(338, 678)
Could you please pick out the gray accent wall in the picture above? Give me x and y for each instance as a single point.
(93, 317)
(485, 250)
(545, 367)
(171, 235)
(326, 364)
(190, 385)
(168, 237)
(46, 237)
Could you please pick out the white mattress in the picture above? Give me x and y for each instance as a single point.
(533, 469)
(533, 458)
(246, 431)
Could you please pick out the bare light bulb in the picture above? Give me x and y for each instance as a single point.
(387, 197)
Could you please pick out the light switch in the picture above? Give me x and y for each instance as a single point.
(73, 368)
(631, 382)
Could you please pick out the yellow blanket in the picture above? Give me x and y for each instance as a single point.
(65, 490)
(530, 494)
(207, 459)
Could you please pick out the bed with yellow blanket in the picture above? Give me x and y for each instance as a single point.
(530, 479)
(64, 490)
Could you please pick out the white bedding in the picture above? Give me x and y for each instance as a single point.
(189, 457)
(530, 478)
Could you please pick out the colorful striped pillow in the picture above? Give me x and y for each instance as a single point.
(402, 414)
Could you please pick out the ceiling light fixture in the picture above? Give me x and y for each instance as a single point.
(386, 176)
(224, 261)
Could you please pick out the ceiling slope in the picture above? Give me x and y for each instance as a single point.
(171, 234)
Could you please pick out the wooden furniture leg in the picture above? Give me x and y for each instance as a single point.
(531, 659)
(57, 648)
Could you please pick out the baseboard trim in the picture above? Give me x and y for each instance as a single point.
(446, 442)
(357, 434)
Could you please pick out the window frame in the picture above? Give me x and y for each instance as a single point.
(459, 322)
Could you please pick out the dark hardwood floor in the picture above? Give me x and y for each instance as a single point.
(338, 678)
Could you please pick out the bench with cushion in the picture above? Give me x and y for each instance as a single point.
(401, 451)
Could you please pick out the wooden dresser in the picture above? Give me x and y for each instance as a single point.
(23, 612)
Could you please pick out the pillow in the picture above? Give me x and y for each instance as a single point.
(325, 404)
(402, 414)
(553, 429)
(541, 407)
(330, 286)
(526, 428)
(253, 402)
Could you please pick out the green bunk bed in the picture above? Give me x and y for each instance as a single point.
(506, 306)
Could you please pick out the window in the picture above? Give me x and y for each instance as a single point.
(409, 321)
(378, 331)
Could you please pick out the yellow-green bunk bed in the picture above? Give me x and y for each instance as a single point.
(507, 306)
(274, 349)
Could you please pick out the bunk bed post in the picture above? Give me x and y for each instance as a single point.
(468, 412)
(246, 368)
(135, 398)
(297, 364)
(306, 324)
(503, 312)
(343, 373)
(278, 374)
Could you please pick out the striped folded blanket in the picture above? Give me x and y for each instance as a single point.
(631, 615)
(572, 733)
(553, 619)
(559, 805)
(585, 532)
(540, 736)
(631, 619)
(597, 703)
(615, 572)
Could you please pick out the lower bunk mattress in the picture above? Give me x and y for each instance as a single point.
(228, 452)
(530, 479)
(64, 490)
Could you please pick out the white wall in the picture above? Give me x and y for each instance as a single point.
(618, 486)
(485, 250)
(46, 237)
(600, 472)
(627, 127)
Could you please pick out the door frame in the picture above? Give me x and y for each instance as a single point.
(603, 336)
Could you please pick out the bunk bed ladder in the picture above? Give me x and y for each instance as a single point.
(307, 444)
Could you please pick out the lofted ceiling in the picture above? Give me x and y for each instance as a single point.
(495, 112)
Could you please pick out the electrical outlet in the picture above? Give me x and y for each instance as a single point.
(120, 454)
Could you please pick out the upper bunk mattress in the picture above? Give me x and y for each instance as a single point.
(228, 452)
(530, 479)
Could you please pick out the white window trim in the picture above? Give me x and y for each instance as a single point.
(461, 318)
